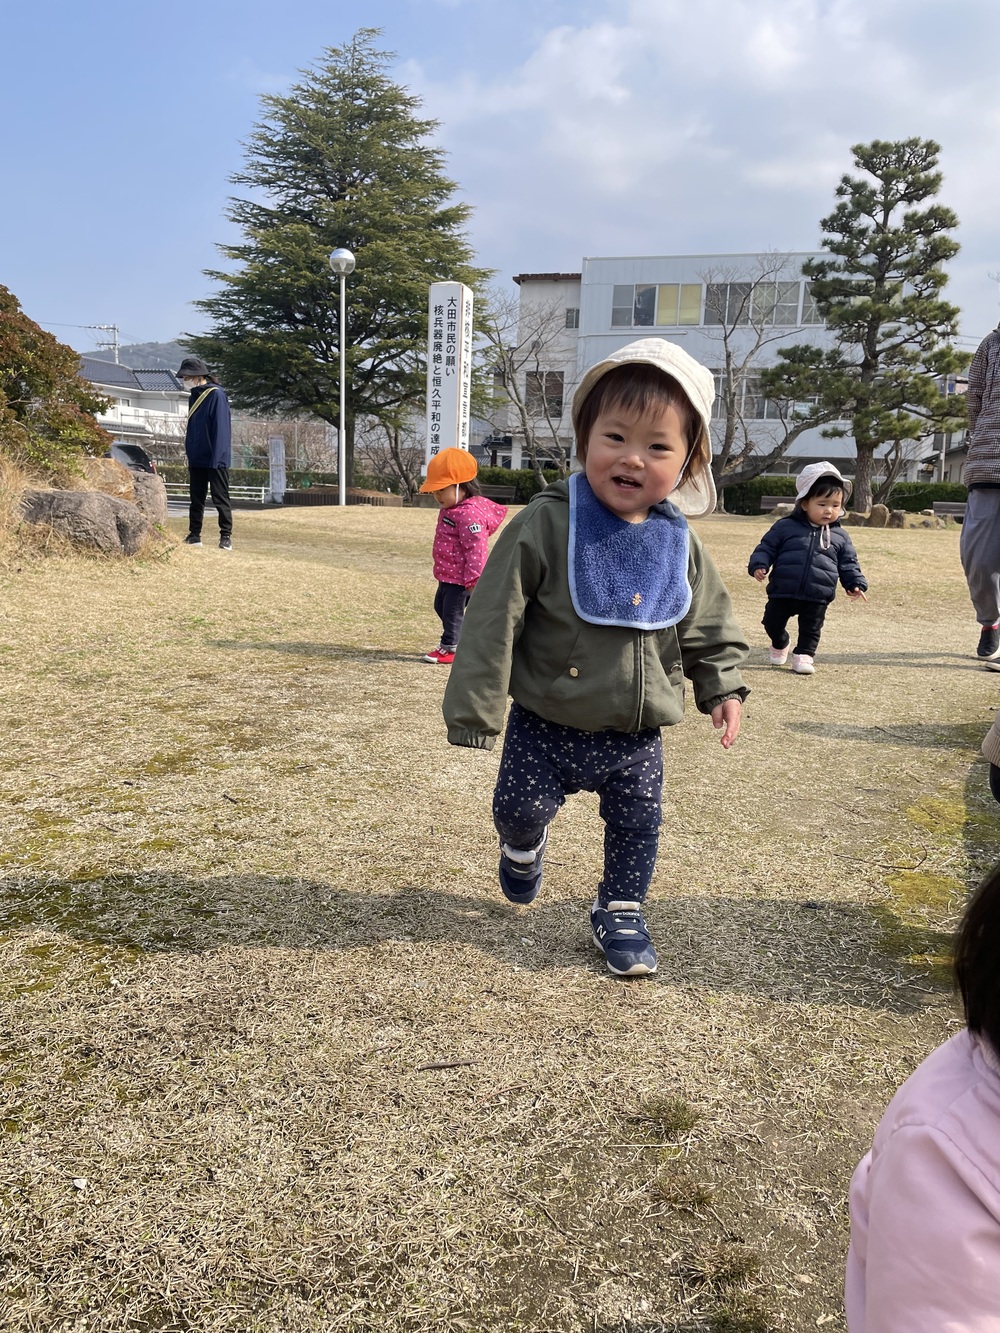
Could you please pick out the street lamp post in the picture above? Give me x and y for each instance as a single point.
(342, 263)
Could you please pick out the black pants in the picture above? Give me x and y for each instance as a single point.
(543, 763)
(200, 479)
(777, 613)
(450, 602)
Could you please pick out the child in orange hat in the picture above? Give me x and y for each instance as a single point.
(461, 541)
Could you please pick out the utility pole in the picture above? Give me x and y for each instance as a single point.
(107, 328)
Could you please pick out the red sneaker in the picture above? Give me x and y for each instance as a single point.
(440, 656)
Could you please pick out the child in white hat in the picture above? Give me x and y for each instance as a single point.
(595, 603)
(806, 554)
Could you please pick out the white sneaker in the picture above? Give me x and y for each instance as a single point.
(802, 664)
(778, 656)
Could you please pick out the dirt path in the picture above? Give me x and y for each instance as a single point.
(249, 904)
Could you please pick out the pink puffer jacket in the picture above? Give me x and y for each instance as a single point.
(461, 539)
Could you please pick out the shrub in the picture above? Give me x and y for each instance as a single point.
(743, 497)
(522, 479)
(916, 495)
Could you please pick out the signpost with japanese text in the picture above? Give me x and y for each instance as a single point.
(449, 368)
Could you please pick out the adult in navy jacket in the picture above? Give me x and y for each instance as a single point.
(208, 445)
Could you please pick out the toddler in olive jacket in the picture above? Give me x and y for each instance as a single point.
(594, 605)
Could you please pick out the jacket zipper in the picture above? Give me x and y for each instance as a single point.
(809, 559)
(640, 681)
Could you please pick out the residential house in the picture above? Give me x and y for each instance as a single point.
(148, 407)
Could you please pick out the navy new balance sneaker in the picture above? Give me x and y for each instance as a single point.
(621, 934)
(521, 871)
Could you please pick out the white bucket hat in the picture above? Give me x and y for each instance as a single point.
(811, 474)
(695, 495)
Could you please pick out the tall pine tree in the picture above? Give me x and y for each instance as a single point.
(880, 293)
(343, 160)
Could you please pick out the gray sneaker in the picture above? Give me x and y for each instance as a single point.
(192, 539)
(225, 543)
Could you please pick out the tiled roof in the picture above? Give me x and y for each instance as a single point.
(158, 379)
(122, 377)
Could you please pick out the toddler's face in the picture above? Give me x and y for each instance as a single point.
(823, 509)
(634, 462)
(447, 496)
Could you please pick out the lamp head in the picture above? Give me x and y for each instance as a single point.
(342, 262)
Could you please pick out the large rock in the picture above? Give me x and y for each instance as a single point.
(150, 496)
(897, 519)
(90, 519)
(879, 517)
(852, 519)
(109, 476)
(782, 510)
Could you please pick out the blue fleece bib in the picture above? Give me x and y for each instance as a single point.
(632, 575)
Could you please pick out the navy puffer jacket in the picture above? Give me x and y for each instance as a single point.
(803, 567)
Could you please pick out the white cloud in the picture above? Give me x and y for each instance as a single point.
(667, 127)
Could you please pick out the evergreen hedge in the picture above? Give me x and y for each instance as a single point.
(916, 495)
(261, 476)
(744, 497)
(522, 479)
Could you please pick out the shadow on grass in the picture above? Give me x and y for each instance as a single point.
(930, 735)
(817, 952)
(916, 660)
(333, 651)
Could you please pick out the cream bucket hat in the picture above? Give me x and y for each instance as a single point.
(695, 494)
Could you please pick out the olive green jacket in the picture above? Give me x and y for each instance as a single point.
(522, 637)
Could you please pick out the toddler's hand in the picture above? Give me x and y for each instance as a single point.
(728, 715)
(760, 575)
(855, 593)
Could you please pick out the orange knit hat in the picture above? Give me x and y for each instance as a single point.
(449, 468)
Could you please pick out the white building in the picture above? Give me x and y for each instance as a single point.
(147, 406)
(755, 303)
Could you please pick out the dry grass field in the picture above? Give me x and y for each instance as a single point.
(275, 1057)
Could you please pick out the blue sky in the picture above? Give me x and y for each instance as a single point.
(596, 127)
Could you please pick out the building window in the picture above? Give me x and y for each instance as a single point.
(764, 304)
(678, 303)
(572, 317)
(543, 393)
(665, 305)
(810, 314)
(728, 303)
(751, 404)
(776, 303)
(505, 460)
(621, 307)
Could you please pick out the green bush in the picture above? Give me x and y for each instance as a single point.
(743, 497)
(916, 495)
(261, 476)
(522, 479)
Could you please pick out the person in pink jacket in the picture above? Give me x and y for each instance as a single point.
(925, 1202)
(461, 541)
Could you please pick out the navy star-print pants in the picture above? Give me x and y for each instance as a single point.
(543, 763)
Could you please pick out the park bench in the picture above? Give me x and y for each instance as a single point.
(502, 494)
(769, 502)
(948, 508)
(245, 495)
